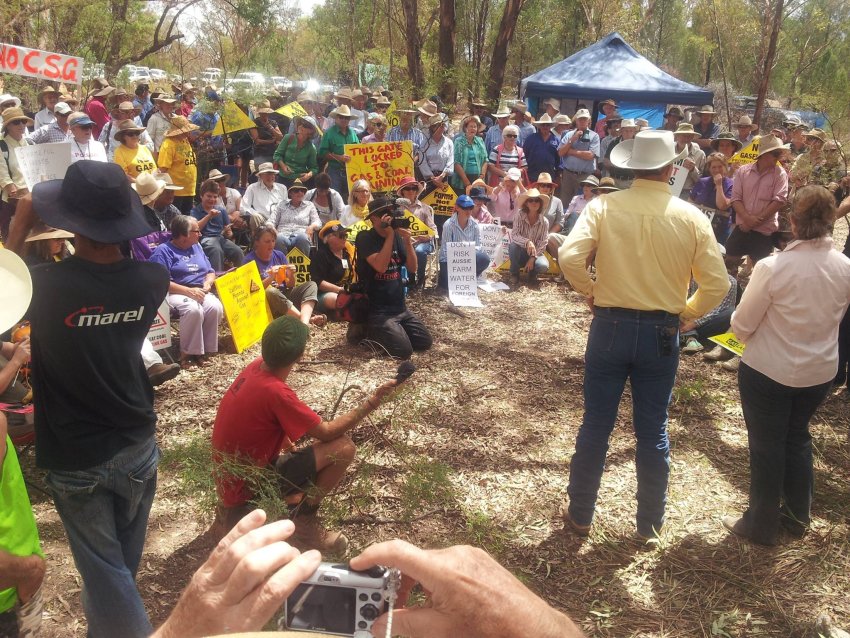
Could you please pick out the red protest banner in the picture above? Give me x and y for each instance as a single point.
(40, 64)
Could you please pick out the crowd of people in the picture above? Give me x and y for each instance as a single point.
(150, 210)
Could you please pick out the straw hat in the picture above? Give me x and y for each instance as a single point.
(48, 89)
(15, 289)
(591, 181)
(545, 178)
(297, 185)
(103, 92)
(265, 167)
(180, 126)
(649, 150)
(770, 143)
(519, 107)
(581, 113)
(305, 96)
(343, 94)
(43, 231)
(165, 97)
(816, 133)
(218, 176)
(475, 118)
(341, 111)
(502, 111)
(14, 114)
(562, 118)
(606, 185)
(544, 119)
(684, 128)
(478, 103)
(729, 137)
(439, 118)
(428, 108)
(481, 185)
(148, 187)
(533, 193)
(128, 106)
(708, 109)
(126, 126)
(383, 100)
(744, 121)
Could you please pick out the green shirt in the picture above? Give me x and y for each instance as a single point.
(300, 160)
(18, 533)
(334, 141)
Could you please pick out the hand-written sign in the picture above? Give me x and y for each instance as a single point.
(392, 117)
(677, 179)
(232, 119)
(293, 109)
(302, 265)
(244, 299)
(463, 283)
(491, 243)
(41, 162)
(442, 200)
(748, 154)
(159, 333)
(729, 341)
(40, 64)
(505, 266)
(382, 164)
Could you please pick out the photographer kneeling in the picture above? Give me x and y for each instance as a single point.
(381, 253)
(259, 419)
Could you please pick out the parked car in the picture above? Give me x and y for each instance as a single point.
(257, 79)
(158, 75)
(280, 83)
(235, 85)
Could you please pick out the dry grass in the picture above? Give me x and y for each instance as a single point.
(477, 450)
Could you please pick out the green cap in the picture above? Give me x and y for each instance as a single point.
(284, 340)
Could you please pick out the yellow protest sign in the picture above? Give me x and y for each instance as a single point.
(382, 164)
(418, 228)
(232, 119)
(244, 299)
(356, 227)
(293, 109)
(302, 265)
(729, 341)
(392, 116)
(442, 200)
(748, 154)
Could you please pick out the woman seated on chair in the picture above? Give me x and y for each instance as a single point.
(332, 268)
(328, 202)
(295, 221)
(410, 190)
(189, 293)
(284, 297)
(358, 203)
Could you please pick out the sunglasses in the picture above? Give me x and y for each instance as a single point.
(410, 188)
(534, 200)
(510, 135)
(544, 185)
(18, 123)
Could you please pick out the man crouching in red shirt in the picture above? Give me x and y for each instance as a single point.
(259, 419)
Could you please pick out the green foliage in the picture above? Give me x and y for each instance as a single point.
(691, 392)
(426, 483)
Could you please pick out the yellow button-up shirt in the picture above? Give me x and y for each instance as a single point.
(648, 244)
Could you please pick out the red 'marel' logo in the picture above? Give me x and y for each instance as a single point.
(94, 316)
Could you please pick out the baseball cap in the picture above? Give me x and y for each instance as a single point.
(465, 201)
(62, 108)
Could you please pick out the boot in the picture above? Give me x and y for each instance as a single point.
(159, 373)
(311, 534)
(356, 333)
(532, 279)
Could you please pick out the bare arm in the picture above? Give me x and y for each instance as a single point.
(330, 430)
(380, 260)
(18, 354)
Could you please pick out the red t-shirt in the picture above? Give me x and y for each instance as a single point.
(257, 412)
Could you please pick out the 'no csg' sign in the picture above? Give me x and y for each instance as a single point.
(40, 64)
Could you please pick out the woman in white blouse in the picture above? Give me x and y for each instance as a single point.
(788, 318)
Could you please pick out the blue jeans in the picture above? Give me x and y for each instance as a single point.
(296, 240)
(339, 180)
(519, 257)
(569, 223)
(104, 510)
(644, 348)
(217, 249)
(422, 251)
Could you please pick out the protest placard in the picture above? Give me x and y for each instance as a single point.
(677, 179)
(463, 284)
(441, 200)
(293, 109)
(41, 162)
(40, 64)
(232, 119)
(491, 243)
(159, 333)
(244, 299)
(729, 341)
(418, 228)
(748, 154)
(302, 265)
(392, 117)
(382, 164)
(357, 227)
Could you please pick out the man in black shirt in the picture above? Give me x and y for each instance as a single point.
(381, 253)
(94, 413)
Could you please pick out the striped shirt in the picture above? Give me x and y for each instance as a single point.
(413, 134)
(523, 232)
(505, 159)
(453, 232)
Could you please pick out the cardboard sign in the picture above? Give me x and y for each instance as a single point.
(491, 243)
(159, 333)
(392, 117)
(302, 265)
(442, 200)
(748, 154)
(244, 299)
(729, 341)
(677, 179)
(463, 284)
(291, 110)
(382, 164)
(41, 162)
(232, 119)
(40, 64)
(505, 266)
(418, 228)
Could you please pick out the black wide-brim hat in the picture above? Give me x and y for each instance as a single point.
(94, 200)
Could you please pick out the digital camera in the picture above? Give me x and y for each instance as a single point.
(338, 601)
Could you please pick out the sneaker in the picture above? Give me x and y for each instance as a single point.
(732, 364)
(718, 353)
(159, 373)
(692, 346)
(311, 534)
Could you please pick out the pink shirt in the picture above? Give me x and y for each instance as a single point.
(789, 314)
(601, 129)
(756, 190)
(98, 114)
(504, 205)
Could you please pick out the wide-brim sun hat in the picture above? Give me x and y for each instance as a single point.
(42, 231)
(265, 167)
(544, 119)
(479, 184)
(180, 126)
(309, 120)
(708, 109)
(606, 185)
(473, 118)
(218, 176)
(341, 111)
(148, 187)
(94, 200)
(439, 118)
(8, 97)
(297, 185)
(770, 143)
(533, 193)
(15, 288)
(649, 150)
(545, 178)
(591, 181)
(125, 127)
(410, 181)
(729, 137)
(15, 114)
(169, 183)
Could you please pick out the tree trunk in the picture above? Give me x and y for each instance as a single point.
(413, 46)
(507, 28)
(448, 88)
(768, 60)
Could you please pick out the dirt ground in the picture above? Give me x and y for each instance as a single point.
(477, 450)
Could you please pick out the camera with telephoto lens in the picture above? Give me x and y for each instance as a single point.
(338, 601)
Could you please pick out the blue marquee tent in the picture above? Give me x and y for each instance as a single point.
(611, 68)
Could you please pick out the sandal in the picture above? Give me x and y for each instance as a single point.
(187, 362)
(318, 320)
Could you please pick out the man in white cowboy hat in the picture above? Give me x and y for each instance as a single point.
(522, 120)
(746, 130)
(494, 134)
(94, 413)
(694, 159)
(159, 121)
(48, 97)
(332, 148)
(552, 106)
(263, 196)
(541, 149)
(759, 191)
(55, 132)
(706, 128)
(579, 151)
(647, 245)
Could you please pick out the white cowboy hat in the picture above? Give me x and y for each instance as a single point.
(341, 111)
(581, 113)
(15, 289)
(649, 150)
(544, 119)
(768, 143)
(148, 187)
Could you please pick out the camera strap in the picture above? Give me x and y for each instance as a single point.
(393, 585)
